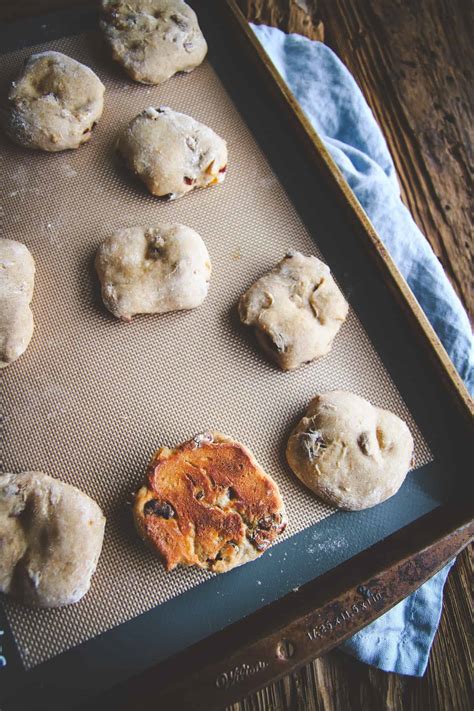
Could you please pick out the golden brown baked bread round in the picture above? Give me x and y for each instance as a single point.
(208, 503)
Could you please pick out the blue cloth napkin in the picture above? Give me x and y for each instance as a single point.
(399, 641)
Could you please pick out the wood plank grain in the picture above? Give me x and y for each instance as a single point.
(418, 82)
(289, 15)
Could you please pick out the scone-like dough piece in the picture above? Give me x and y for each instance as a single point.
(153, 39)
(51, 537)
(208, 503)
(54, 104)
(172, 153)
(152, 270)
(296, 310)
(351, 454)
(17, 276)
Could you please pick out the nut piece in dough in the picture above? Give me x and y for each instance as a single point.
(51, 536)
(153, 39)
(172, 153)
(152, 270)
(208, 503)
(351, 454)
(17, 276)
(296, 310)
(54, 104)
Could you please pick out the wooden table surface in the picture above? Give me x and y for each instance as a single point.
(414, 62)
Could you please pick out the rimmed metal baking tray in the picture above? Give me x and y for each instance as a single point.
(223, 639)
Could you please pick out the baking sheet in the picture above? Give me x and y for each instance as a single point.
(92, 398)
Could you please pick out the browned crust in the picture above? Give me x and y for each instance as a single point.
(208, 503)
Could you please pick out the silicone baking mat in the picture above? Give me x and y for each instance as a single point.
(93, 397)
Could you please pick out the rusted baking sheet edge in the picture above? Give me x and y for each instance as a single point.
(272, 642)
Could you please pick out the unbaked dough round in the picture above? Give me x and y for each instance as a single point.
(153, 39)
(152, 270)
(296, 310)
(351, 454)
(54, 104)
(51, 537)
(208, 503)
(173, 153)
(17, 275)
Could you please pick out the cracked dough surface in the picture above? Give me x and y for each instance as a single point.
(51, 535)
(296, 310)
(152, 270)
(351, 454)
(153, 39)
(208, 503)
(17, 275)
(172, 153)
(54, 104)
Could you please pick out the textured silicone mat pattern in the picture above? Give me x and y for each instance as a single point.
(92, 397)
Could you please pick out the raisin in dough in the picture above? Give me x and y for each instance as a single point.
(152, 270)
(351, 454)
(296, 310)
(208, 503)
(54, 104)
(172, 153)
(17, 275)
(153, 39)
(51, 535)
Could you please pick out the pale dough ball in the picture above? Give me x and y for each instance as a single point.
(296, 310)
(17, 276)
(54, 104)
(152, 270)
(153, 39)
(51, 536)
(172, 153)
(351, 454)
